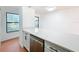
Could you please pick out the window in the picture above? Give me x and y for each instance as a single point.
(36, 22)
(12, 22)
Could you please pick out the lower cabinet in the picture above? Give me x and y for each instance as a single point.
(26, 40)
(51, 47)
(36, 44)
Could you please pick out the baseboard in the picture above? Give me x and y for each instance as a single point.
(9, 39)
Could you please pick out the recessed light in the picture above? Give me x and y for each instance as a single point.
(51, 8)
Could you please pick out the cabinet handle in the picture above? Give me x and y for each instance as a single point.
(53, 49)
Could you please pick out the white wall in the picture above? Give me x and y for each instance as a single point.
(64, 23)
(12, 9)
(64, 20)
(0, 25)
(27, 22)
(28, 17)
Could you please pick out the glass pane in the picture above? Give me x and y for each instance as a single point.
(12, 17)
(11, 27)
(36, 22)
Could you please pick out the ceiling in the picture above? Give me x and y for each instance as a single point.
(42, 9)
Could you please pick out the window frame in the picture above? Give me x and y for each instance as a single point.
(11, 22)
(37, 17)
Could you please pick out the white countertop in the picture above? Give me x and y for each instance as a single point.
(69, 41)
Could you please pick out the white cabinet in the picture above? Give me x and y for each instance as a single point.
(26, 40)
(51, 47)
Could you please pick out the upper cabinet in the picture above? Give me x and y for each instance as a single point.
(28, 16)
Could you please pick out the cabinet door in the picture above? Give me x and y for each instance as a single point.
(26, 40)
(35, 45)
(51, 47)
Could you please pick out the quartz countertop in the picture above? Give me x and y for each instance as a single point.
(69, 41)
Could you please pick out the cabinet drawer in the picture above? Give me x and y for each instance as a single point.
(51, 47)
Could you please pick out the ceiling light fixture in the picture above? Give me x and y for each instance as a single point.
(51, 8)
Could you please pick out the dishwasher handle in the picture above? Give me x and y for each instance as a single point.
(37, 41)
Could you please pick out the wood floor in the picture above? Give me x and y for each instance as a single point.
(11, 45)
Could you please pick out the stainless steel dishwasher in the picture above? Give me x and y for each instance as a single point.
(36, 44)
